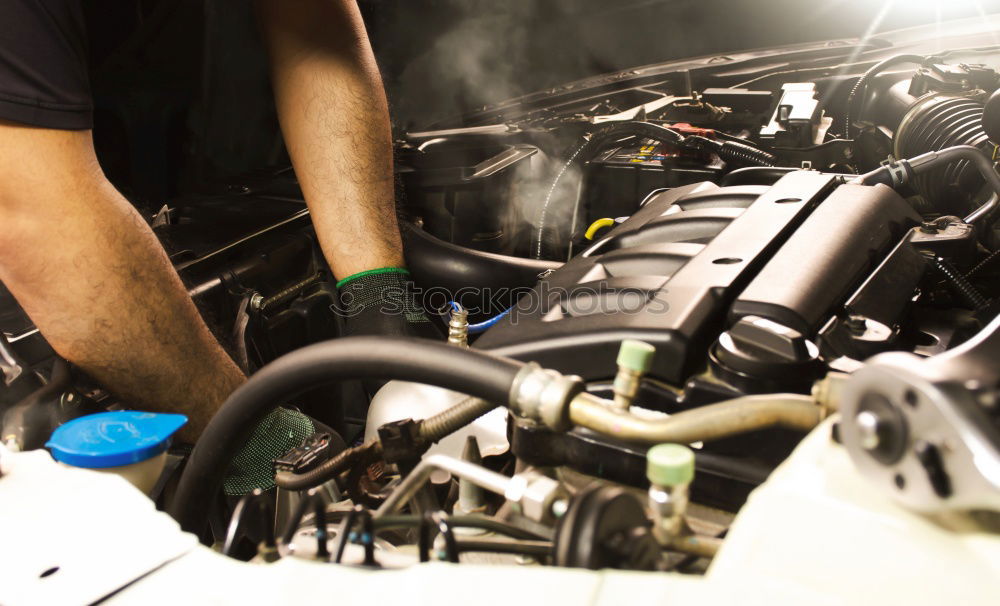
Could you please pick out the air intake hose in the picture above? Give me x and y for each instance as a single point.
(936, 122)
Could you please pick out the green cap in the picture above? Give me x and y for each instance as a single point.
(636, 355)
(669, 465)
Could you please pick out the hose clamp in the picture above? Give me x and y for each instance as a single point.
(544, 395)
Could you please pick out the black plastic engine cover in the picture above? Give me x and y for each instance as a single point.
(827, 257)
(666, 275)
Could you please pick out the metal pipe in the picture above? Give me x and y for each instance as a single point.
(698, 545)
(984, 210)
(720, 420)
(490, 480)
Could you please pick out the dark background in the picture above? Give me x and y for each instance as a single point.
(183, 97)
(443, 57)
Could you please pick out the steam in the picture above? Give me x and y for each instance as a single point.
(547, 202)
(474, 59)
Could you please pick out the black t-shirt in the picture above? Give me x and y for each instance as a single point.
(43, 64)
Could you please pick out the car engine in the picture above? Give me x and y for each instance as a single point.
(652, 286)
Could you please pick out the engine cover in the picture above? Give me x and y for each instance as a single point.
(671, 273)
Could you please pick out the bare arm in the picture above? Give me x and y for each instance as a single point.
(96, 282)
(335, 121)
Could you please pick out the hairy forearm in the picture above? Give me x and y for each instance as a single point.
(335, 121)
(93, 278)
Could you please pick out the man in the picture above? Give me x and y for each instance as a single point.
(89, 271)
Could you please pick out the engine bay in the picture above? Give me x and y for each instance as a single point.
(651, 287)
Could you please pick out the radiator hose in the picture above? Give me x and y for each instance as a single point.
(468, 371)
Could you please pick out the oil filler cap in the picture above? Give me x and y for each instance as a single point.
(113, 439)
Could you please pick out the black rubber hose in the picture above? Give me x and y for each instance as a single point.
(482, 522)
(903, 171)
(535, 549)
(755, 175)
(434, 263)
(860, 89)
(464, 370)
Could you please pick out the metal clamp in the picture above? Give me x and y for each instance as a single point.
(544, 395)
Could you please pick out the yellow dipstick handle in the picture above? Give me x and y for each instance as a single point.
(596, 225)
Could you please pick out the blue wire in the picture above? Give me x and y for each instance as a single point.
(475, 329)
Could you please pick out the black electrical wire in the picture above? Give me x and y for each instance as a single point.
(313, 499)
(322, 535)
(859, 92)
(344, 531)
(368, 538)
(959, 285)
(439, 520)
(331, 468)
(733, 152)
(451, 420)
(254, 501)
(430, 430)
(984, 265)
(465, 370)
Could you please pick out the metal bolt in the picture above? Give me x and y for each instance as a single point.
(868, 427)
(929, 227)
(856, 324)
(560, 507)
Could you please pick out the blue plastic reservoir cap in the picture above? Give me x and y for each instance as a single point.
(111, 439)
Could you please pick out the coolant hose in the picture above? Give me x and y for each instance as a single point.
(712, 422)
(464, 370)
(434, 263)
